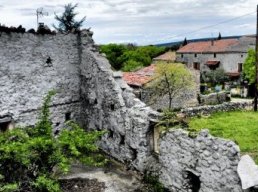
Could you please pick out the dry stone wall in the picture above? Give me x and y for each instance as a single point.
(204, 163)
(208, 109)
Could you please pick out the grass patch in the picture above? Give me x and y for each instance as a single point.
(239, 126)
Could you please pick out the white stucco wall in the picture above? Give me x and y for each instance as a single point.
(228, 61)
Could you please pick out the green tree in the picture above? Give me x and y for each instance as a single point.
(249, 66)
(214, 77)
(130, 57)
(185, 42)
(171, 79)
(219, 37)
(113, 52)
(32, 158)
(67, 22)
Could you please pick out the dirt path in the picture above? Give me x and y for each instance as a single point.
(115, 179)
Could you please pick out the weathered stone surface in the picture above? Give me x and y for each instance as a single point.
(213, 98)
(248, 172)
(193, 163)
(89, 92)
(25, 76)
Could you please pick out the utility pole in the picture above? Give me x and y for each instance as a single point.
(256, 63)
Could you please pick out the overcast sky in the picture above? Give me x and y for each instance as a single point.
(142, 21)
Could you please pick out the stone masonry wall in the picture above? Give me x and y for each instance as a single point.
(108, 103)
(208, 109)
(92, 94)
(204, 163)
(25, 76)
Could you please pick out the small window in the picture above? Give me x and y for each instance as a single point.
(214, 55)
(182, 55)
(195, 55)
(68, 116)
(196, 65)
(242, 56)
(240, 67)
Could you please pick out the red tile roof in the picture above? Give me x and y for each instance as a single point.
(209, 47)
(168, 56)
(140, 77)
(212, 62)
(233, 74)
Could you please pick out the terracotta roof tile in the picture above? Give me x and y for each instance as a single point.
(140, 77)
(207, 47)
(233, 74)
(168, 56)
(212, 62)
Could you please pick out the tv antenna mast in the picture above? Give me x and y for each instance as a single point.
(40, 13)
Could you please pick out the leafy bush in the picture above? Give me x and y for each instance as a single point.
(31, 158)
(214, 77)
(155, 185)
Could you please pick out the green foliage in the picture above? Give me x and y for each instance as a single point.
(113, 52)
(214, 77)
(129, 57)
(239, 126)
(131, 65)
(171, 79)
(66, 22)
(31, 158)
(249, 66)
(137, 56)
(155, 185)
(170, 119)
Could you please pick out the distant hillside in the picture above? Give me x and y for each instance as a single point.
(194, 40)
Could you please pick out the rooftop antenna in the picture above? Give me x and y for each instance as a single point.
(40, 13)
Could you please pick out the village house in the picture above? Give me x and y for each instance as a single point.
(168, 57)
(228, 54)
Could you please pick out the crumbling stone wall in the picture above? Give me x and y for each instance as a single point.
(204, 163)
(87, 91)
(30, 66)
(109, 104)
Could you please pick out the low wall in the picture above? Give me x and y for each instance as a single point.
(213, 98)
(204, 163)
(208, 109)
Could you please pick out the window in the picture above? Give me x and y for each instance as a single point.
(196, 65)
(242, 56)
(195, 55)
(182, 55)
(240, 67)
(214, 55)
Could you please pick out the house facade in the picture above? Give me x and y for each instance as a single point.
(228, 54)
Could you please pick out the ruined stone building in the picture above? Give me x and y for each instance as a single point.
(89, 92)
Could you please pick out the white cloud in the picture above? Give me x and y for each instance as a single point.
(141, 21)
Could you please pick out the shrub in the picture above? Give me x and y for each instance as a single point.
(31, 159)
